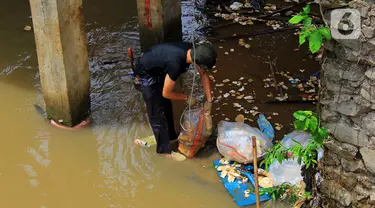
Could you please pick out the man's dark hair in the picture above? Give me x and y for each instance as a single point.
(205, 56)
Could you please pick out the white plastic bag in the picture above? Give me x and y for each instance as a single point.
(299, 136)
(288, 172)
(235, 144)
(302, 137)
(236, 6)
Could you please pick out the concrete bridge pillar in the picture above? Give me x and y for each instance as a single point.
(159, 21)
(63, 60)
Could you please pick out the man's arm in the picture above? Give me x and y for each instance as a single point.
(168, 90)
(206, 83)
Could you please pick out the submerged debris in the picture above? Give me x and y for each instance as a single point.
(242, 43)
(240, 118)
(27, 28)
(278, 126)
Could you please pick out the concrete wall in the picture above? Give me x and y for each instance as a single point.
(348, 112)
(159, 21)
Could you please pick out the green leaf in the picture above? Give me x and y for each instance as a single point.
(262, 163)
(315, 41)
(313, 124)
(307, 22)
(296, 19)
(300, 115)
(302, 38)
(307, 164)
(306, 9)
(323, 133)
(306, 124)
(314, 161)
(325, 32)
(298, 125)
(319, 136)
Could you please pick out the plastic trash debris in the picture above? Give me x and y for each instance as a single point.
(27, 28)
(235, 144)
(288, 172)
(300, 136)
(239, 189)
(303, 138)
(141, 143)
(266, 127)
(236, 6)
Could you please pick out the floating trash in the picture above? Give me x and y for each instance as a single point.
(240, 97)
(236, 6)
(249, 97)
(27, 28)
(278, 126)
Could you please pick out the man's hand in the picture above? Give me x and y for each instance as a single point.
(191, 101)
(207, 107)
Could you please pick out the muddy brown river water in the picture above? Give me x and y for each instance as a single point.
(99, 166)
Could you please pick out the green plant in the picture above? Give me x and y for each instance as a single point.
(313, 33)
(306, 121)
(276, 192)
(276, 153)
(286, 191)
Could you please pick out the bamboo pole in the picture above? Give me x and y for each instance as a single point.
(255, 163)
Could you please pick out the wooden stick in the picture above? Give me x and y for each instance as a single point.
(255, 163)
(273, 74)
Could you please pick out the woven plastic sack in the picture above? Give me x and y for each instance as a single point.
(235, 144)
(195, 135)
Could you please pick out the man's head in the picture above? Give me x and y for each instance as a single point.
(205, 56)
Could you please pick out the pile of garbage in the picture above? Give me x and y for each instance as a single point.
(240, 13)
(235, 145)
(234, 141)
(308, 88)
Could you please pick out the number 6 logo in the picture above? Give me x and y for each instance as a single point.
(345, 24)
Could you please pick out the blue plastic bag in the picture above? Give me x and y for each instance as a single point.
(266, 127)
